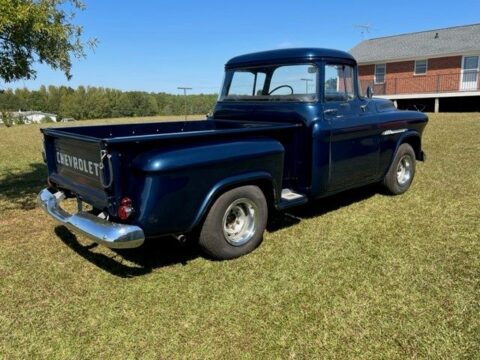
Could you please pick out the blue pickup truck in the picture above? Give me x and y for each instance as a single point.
(290, 126)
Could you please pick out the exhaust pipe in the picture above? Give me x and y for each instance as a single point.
(182, 239)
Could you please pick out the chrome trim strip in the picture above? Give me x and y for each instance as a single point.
(392, 132)
(107, 233)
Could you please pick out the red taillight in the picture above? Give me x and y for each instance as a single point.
(126, 201)
(125, 209)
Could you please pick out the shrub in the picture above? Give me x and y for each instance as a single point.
(8, 120)
(46, 120)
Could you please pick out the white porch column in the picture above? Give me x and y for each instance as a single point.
(437, 105)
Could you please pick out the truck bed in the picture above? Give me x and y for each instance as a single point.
(75, 161)
(144, 132)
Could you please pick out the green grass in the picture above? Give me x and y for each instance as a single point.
(358, 276)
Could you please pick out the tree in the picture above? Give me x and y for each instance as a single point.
(39, 31)
(95, 102)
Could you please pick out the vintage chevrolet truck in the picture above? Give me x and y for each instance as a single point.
(290, 125)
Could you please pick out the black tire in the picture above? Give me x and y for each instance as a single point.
(227, 231)
(402, 170)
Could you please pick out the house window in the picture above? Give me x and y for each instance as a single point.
(420, 67)
(470, 63)
(380, 70)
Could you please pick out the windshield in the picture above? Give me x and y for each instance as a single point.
(271, 83)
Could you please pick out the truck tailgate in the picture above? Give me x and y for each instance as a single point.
(75, 165)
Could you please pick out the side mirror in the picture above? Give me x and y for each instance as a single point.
(369, 92)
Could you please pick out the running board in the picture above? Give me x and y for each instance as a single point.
(291, 198)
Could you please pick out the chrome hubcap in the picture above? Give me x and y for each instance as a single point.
(240, 221)
(404, 170)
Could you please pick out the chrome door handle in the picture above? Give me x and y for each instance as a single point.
(330, 111)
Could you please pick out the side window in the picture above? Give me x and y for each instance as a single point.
(245, 83)
(260, 83)
(339, 83)
(242, 83)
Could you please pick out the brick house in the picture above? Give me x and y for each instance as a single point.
(435, 69)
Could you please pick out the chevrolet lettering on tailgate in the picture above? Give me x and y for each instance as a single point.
(77, 163)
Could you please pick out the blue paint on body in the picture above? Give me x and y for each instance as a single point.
(173, 171)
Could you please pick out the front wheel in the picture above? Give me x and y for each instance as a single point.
(402, 170)
(235, 224)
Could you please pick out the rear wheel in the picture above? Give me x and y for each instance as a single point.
(235, 224)
(402, 170)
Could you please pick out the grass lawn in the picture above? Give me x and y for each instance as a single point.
(360, 275)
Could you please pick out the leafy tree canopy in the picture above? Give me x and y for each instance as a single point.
(39, 31)
(88, 102)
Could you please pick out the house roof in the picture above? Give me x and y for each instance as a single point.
(285, 55)
(456, 40)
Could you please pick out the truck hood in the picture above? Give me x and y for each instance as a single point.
(383, 105)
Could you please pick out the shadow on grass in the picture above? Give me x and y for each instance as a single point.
(21, 189)
(320, 207)
(167, 251)
(153, 254)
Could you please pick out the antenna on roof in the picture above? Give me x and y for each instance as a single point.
(364, 28)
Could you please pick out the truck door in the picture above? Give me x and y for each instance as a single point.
(354, 139)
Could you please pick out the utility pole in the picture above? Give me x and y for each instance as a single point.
(184, 88)
(306, 84)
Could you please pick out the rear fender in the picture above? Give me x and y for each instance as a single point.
(187, 179)
(179, 158)
(255, 178)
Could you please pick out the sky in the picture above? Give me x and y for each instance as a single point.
(157, 46)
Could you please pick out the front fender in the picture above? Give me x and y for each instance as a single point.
(413, 138)
(391, 143)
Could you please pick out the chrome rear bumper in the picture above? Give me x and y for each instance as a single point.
(110, 234)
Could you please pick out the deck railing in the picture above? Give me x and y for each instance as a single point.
(419, 84)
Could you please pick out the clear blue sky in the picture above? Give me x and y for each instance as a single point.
(159, 45)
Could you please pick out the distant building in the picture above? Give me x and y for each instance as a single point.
(438, 69)
(30, 117)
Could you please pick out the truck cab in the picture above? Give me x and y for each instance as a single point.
(290, 125)
(343, 143)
